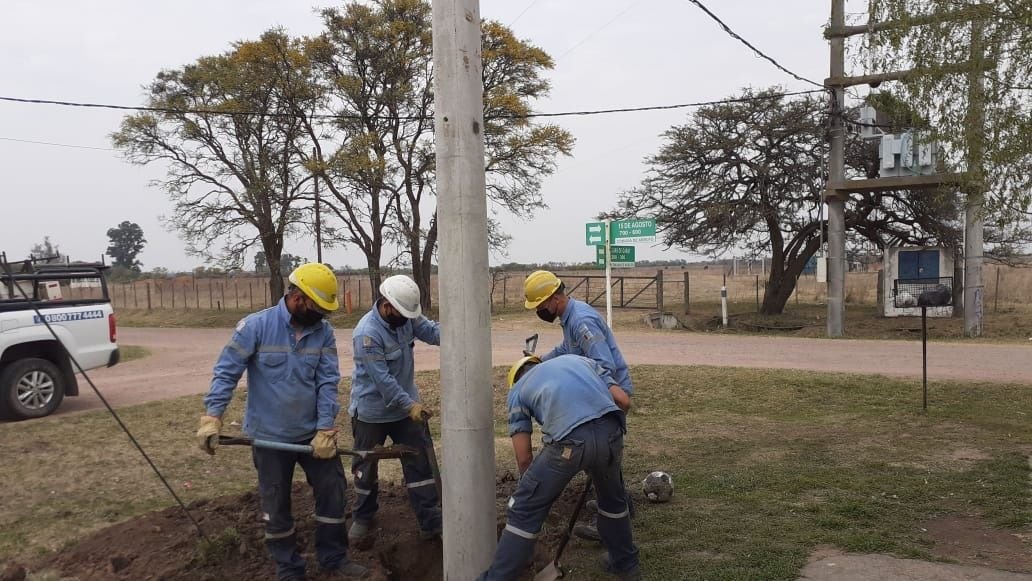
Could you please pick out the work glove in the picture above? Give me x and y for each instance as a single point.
(208, 434)
(415, 413)
(324, 444)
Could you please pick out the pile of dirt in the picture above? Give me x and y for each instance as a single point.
(164, 545)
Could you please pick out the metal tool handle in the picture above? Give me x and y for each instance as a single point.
(530, 345)
(268, 444)
(573, 520)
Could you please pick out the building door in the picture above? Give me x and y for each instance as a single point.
(919, 265)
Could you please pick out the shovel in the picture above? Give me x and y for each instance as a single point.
(377, 453)
(554, 570)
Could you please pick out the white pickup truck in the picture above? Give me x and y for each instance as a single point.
(35, 370)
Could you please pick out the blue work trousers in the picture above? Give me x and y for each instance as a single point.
(419, 477)
(594, 447)
(326, 477)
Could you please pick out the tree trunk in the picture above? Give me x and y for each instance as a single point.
(422, 263)
(273, 254)
(375, 275)
(782, 279)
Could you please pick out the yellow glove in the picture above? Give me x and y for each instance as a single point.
(324, 444)
(415, 413)
(208, 434)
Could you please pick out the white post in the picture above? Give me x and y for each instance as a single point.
(609, 279)
(723, 305)
(467, 420)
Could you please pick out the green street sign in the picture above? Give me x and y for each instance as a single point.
(623, 256)
(594, 233)
(639, 230)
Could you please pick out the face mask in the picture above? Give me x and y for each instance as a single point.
(395, 320)
(306, 318)
(546, 315)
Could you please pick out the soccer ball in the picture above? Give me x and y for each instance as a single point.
(658, 487)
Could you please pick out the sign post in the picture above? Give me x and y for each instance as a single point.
(604, 234)
(609, 277)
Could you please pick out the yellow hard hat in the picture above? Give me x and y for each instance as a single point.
(539, 285)
(515, 369)
(318, 283)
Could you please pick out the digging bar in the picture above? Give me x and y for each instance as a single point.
(431, 455)
(554, 570)
(378, 453)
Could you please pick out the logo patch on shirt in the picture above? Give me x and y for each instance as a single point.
(567, 453)
(367, 341)
(240, 326)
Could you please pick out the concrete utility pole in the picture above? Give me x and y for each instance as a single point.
(836, 200)
(974, 219)
(467, 421)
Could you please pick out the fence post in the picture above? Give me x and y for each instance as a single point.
(222, 292)
(687, 293)
(757, 293)
(250, 291)
(996, 299)
(161, 296)
(211, 292)
(173, 294)
(136, 298)
(196, 294)
(148, 296)
(505, 288)
(125, 297)
(659, 290)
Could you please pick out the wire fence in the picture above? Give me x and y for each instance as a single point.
(670, 289)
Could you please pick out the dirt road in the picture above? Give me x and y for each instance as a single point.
(181, 359)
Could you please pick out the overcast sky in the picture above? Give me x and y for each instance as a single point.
(609, 54)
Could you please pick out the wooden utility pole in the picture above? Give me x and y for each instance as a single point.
(467, 418)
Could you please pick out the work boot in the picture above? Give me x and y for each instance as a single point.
(358, 534)
(348, 570)
(426, 535)
(632, 575)
(588, 532)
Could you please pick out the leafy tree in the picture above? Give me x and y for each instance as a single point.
(46, 252)
(226, 132)
(981, 114)
(749, 175)
(126, 243)
(374, 65)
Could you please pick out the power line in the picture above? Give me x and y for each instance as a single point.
(594, 32)
(56, 144)
(764, 97)
(758, 52)
(520, 15)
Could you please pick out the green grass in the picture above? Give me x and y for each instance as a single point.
(131, 352)
(768, 465)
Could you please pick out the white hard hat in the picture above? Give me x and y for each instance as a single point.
(403, 294)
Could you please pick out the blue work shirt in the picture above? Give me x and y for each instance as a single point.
(291, 382)
(560, 394)
(586, 334)
(383, 385)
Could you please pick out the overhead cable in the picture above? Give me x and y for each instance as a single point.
(763, 97)
(758, 52)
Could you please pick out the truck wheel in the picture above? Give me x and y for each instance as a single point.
(30, 388)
